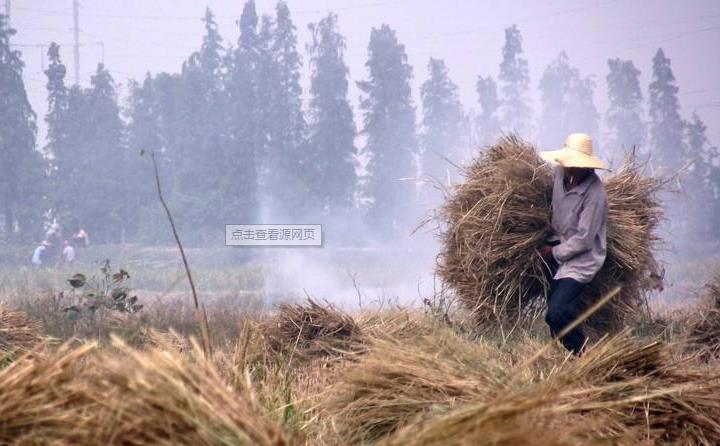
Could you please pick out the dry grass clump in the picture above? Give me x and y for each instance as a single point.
(518, 419)
(395, 324)
(497, 221)
(18, 333)
(642, 387)
(39, 403)
(705, 330)
(160, 398)
(395, 382)
(166, 340)
(310, 330)
(622, 392)
(124, 396)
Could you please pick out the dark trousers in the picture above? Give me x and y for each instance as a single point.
(564, 307)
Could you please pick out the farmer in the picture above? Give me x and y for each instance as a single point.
(68, 253)
(38, 256)
(577, 247)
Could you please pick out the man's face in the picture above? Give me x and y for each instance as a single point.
(576, 172)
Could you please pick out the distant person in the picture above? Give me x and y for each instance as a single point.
(53, 233)
(81, 238)
(68, 252)
(577, 248)
(38, 256)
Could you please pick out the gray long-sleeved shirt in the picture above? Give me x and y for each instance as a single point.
(579, 222)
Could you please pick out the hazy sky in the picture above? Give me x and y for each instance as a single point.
(141, 35)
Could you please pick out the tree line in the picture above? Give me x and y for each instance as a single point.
(239, 141)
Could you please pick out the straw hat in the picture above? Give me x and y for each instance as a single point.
(577, 152)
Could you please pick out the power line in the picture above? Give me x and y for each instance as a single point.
(703, 90)
(711, 104)
(219, 18)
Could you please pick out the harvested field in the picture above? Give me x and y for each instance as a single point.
(416, 380)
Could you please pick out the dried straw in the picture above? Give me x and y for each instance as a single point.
(310, 330)
(38, 402)
(499, 218)
(158, 397)
(622, 392)
(396, 382)
(704, 335)
(125, 396)
(18, 333)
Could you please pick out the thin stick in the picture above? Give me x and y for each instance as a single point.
(199, 313)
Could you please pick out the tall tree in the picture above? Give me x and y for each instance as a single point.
(102, 202)
(624, 120)
(284, 158)
(442, 123)
(702, 203)
(144, 133)
(199, 154)
(666, 124)
(331, 154)
(487, 123)
(21, 166)
(515, 77)
(567, 103)
(240, 179)
(389, 125)
(57, 129)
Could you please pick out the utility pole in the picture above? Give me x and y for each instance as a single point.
(7, 12)
(76, 43)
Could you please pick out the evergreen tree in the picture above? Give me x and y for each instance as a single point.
(331, 154)
(666, 125)
(143, 130)
(442, 123)
(624, 120)
(702, 203)
(199, 193)
(240, 179)
(165, 96)
(57, 129)
(389, 125)
(284, 160)
(567, 103)
(515, 77)
(22, 177)
(100, 199)
(487, 124)
(143, 134)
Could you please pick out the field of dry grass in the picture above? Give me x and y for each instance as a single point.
(309, 374)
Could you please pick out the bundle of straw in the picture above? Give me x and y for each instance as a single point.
(311, 330)
(18, 333)
(158, 397)
(705, 331)
(394, 383)
(621, 392)
(518, 419)
(499, 218)
(38, 402)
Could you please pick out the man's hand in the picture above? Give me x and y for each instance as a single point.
(546, 253)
